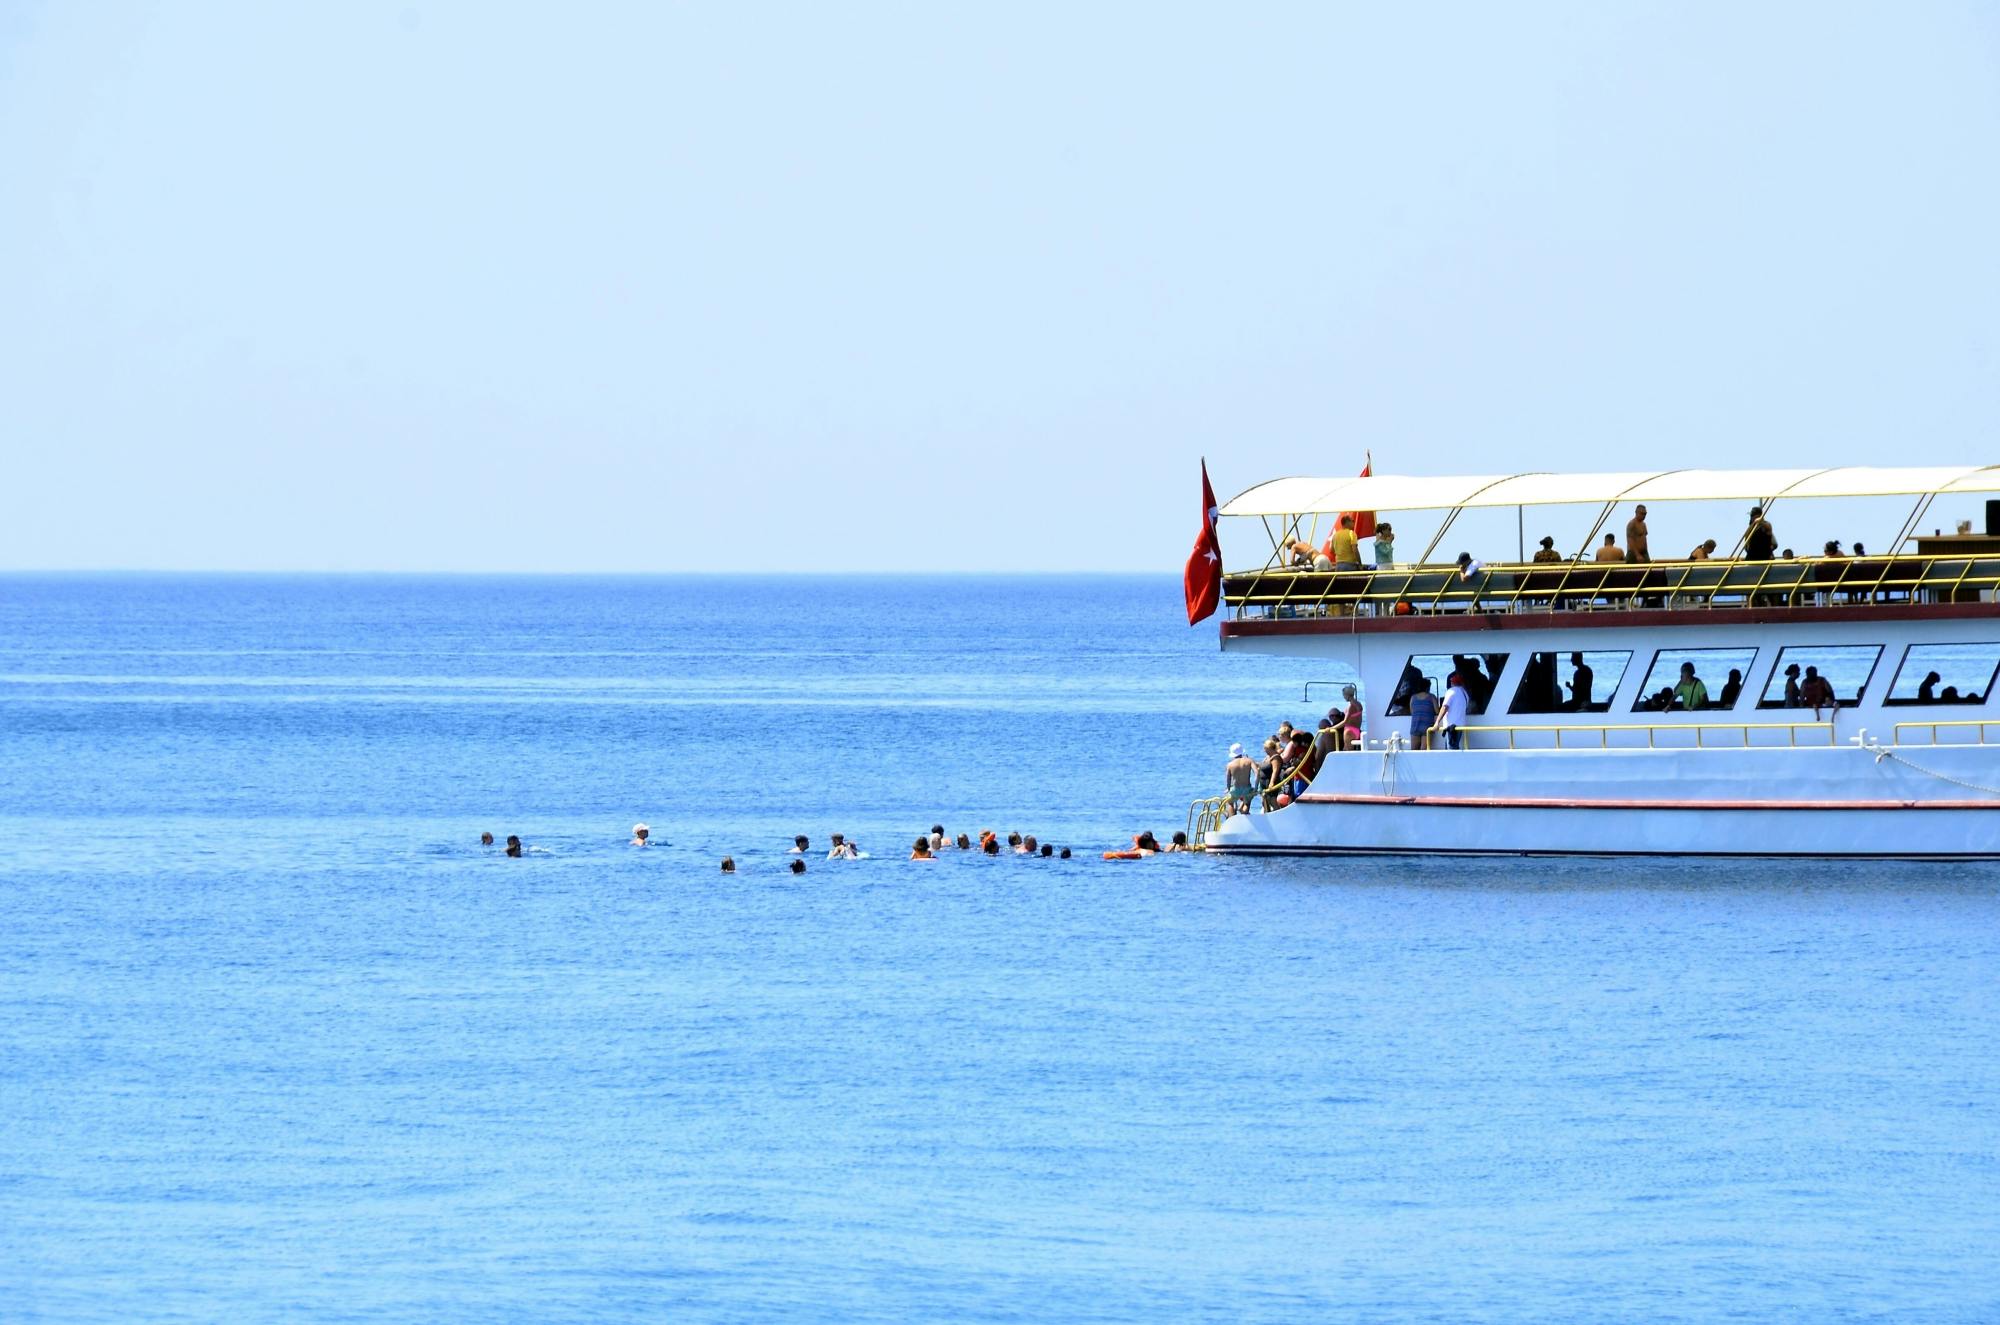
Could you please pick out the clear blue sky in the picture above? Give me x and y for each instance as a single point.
(648, 287)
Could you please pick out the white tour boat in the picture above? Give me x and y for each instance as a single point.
(1571, 746)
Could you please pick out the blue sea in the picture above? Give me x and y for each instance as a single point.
(279, 1041)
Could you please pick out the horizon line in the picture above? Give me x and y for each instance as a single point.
(577, 574)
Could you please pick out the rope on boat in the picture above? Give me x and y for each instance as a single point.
(1882, 752)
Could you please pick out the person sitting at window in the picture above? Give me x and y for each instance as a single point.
(1548, 551)
(1927, 688)
(1478, 685)
(1609, 550)
(1580, 682)
(1690, 694)
(1731, 689)
(1948, 695)
(1704, 552)
(1816, 692)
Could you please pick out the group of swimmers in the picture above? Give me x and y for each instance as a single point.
(930, 846)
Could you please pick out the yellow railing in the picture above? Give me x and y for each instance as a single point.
(1652, 730)
(1978, 726)
(1598, 586)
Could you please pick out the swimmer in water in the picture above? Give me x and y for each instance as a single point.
(937, 838)
(964, 842)
(1048, 851)
(1179, 843)
(513, 846)
(991, 846)
(921, 849)
(1014, 843)
(1146, 844)
(486, 839)
(839, 847)
(800, 845)
(798, 867)
(1028, 845)
(729, 864)
(1064, 853)
(640, 834)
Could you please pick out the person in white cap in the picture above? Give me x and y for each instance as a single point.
(1242, 776)
(641, 835)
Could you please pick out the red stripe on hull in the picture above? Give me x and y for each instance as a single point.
(1552, 803)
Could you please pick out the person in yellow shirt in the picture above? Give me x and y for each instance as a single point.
(1343, 548)
(1610, 551)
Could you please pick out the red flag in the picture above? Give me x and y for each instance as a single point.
(1364, 521)
(1203, 578)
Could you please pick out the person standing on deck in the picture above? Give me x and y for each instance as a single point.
(1760, 541)
(1385, 546)
(1240, 776)
(1343, 548)
(1272, 771)
(1423, 714)
(1452, 713)
(1635, 536)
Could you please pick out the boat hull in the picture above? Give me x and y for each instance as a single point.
(1841, 802)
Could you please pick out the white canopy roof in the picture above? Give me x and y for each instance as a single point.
(1394, 492)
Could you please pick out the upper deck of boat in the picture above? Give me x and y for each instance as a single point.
(1942, 578)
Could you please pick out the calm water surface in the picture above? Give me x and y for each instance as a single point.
(278, 1041)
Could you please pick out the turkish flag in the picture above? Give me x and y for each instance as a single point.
(1203, 579)
(1364, 521)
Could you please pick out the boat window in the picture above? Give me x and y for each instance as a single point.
(1845, 667)
(1946, 674)
(1720, 671)
(1478, 670)
(1570, 682)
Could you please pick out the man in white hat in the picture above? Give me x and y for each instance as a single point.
(1242, 777)
(641, 835)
